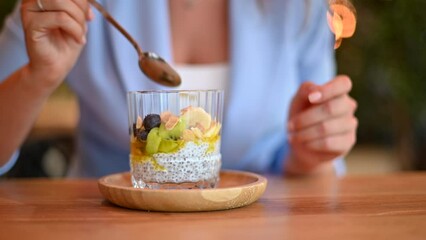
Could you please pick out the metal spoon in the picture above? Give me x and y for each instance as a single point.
(152, 65)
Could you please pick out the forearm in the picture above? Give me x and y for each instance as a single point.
(21, 100)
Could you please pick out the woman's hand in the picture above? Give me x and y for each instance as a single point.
(322, 125)
(55, 35)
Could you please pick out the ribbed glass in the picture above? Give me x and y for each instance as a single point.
(183, 151)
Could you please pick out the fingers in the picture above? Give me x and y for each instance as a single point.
(322, 126)
(335, 126)
(338, 143)
(56, 20)
(57, 5)
(300, 100)
(343, 105)
(68, 15)
(84, 6)
(74, 8)
(337, 87)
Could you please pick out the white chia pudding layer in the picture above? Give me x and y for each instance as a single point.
(192, 163)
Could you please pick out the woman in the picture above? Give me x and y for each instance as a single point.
(285, 111)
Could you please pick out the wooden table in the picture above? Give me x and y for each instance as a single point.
(355, 207)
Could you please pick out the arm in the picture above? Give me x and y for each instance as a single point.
(17, 118)
(54, 39)
(322, 126)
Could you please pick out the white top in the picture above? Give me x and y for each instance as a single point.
(203, 76)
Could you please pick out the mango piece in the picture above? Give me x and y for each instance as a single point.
(197, 132)
(213, 130)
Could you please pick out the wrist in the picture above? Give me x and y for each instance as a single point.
(40, 81)
(293, 166)
(298, 167)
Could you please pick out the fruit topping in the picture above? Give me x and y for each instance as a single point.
(151, 121)
(166, 132)
(196, 115)
(171, 122)
(188, 135)
(197, 132)
(174, 133)
(139, 123)
(184, 110)
(165, 116)
(213, 130)
(177, 131)
(134, 129)
(153, 141)
(168, 145)
(141, 135)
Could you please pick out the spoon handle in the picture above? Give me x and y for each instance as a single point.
(116, 25)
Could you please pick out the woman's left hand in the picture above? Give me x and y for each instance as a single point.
(321, 126)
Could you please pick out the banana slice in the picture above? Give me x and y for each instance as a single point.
(196, 115)
(188, 135)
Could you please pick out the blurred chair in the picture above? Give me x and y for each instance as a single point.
(48, 150)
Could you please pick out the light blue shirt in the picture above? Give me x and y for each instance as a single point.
(275, 46)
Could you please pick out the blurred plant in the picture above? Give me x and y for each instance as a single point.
(386, 60)
(6, 7)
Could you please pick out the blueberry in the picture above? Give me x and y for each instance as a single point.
(142, 135)
(134, 130)
(151, 121)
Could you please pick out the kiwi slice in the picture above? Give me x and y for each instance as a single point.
(167, 146)
(177, 131)
(163, 132)
(174, 133)
(153, 141)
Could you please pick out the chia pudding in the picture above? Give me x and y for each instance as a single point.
(176, 152)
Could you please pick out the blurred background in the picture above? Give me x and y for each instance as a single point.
(386, 60)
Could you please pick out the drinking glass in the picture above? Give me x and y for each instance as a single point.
(175, 138)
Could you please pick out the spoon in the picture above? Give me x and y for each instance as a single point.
(152, 65)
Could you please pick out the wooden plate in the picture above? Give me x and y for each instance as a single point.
(236, 189)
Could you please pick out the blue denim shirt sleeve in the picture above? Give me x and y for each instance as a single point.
(5, 168)
(280, 156)
(12, 45)
(13, 56)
